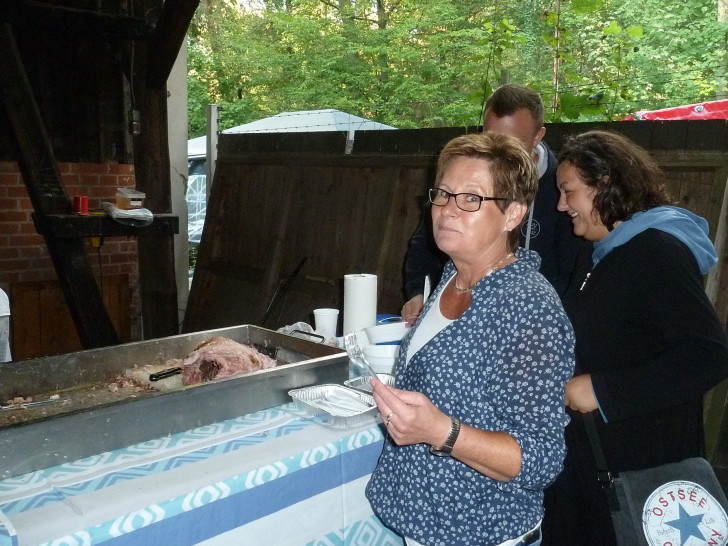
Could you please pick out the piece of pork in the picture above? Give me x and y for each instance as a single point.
(220, 357)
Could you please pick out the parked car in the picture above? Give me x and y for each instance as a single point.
(196, 197)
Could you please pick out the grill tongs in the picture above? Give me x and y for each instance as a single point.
(25, 405)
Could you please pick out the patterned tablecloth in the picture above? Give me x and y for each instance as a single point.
(272, 477)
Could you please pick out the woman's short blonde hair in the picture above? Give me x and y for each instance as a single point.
(513, 170)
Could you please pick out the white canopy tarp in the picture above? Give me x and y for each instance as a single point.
(303, 121)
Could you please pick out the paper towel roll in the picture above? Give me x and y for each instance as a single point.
(360, 301)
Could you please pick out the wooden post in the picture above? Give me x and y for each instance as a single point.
(716, 425)
(717, 284)
(157, 285)
(153, 62)
(43, 181)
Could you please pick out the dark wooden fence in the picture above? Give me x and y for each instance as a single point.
(279, 199)
(41, 323)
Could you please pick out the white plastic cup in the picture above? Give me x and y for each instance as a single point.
(326, 320)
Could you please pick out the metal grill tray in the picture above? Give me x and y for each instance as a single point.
(69, 433)
(362, 382)
(334, 405)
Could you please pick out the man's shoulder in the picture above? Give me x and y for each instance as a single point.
(552, 163)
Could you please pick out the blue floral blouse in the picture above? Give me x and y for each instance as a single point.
(501, 366)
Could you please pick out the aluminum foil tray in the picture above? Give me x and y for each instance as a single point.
(362, 383)
(334, 405)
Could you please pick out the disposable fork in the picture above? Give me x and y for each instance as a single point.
(355, 353)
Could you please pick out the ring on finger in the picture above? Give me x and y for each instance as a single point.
(391, 413)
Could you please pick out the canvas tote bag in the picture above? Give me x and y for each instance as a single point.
(676, 504)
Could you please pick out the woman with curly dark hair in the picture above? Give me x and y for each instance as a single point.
(648, 342)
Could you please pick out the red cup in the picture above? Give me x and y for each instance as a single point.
(80, 205)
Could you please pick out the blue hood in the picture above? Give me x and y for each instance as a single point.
(689, 228)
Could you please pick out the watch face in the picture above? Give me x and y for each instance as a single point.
(440, 452)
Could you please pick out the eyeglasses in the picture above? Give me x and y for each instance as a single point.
(469, 202)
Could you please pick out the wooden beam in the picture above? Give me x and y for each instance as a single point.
(168, 38)
(43, 182)
(716, 423)
(157, 284)
(717, 284)
(72, 225)
(34, 14)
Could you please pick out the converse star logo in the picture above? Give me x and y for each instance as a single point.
(683, 513)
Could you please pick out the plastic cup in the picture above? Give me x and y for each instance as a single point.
(326, 320)
(80, 205)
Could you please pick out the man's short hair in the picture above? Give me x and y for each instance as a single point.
(510, 97)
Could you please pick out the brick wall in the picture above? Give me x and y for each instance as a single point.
(23, 253)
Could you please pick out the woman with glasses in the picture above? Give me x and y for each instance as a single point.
(476, 417)
(648, 342)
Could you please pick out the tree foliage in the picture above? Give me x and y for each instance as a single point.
(429, 63)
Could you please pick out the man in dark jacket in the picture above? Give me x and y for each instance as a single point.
(517, 111)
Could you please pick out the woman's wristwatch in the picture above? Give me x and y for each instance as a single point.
(446, 448)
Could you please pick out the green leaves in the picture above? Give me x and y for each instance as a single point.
(612, 28)
(425, 63)
(587, 6)
(572, 106)
(632, 32)
(635, 32)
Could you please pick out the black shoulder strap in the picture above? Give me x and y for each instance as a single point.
(604, 476)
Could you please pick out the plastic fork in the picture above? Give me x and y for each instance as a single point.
(351, 344)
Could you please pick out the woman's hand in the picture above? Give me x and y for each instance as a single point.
(410, 417)
(580, 395)
(412, 309)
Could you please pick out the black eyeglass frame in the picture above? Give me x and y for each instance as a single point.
(431, 195)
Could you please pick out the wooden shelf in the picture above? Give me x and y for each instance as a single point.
(98, 225)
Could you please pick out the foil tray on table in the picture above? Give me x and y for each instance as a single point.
(363, 382)
(66, 433)
(334, 405)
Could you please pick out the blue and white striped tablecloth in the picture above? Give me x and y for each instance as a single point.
(272, 478)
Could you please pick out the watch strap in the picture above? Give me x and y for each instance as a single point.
(449, 444)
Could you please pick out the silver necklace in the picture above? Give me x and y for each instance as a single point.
(491, 270)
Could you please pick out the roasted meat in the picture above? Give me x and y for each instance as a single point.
(220, 357)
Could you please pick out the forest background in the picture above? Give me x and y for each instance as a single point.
(430, 63)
